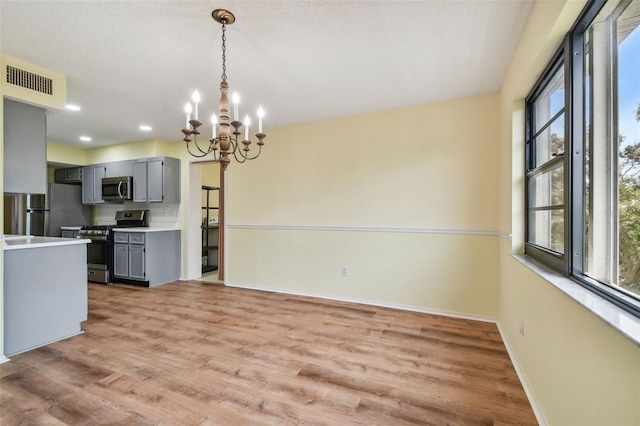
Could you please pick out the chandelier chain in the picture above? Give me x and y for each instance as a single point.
(224, 50)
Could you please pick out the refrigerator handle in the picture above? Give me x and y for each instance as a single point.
(27, 229)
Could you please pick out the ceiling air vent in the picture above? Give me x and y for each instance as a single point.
(29, 80)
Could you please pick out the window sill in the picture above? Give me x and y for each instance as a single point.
(621, 320)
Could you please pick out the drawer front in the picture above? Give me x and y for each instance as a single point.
(120, 237)
(136, 238)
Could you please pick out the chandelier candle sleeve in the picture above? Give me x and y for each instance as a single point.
(187, 109)
(196, 98)
(247, 122)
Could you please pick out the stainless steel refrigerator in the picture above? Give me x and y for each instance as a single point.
(25, 214)
(43, 215)
(64, 203)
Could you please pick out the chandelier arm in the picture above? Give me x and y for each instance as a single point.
(195, 154)
(255, 156)
(237, 151)
(234, 143)
(195, 141)
(244, 157)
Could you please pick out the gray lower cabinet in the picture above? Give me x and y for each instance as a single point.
(92, 184)
(129, 259)
(147, 258)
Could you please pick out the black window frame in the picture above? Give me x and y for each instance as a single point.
(557, 261)
(570, 55)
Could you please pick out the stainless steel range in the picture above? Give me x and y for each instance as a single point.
(100, 250)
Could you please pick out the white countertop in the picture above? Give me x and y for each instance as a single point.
(144, 230)
(70, 228)
(16, 242)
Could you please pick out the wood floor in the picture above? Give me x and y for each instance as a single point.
(192, 353)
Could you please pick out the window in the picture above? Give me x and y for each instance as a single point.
(545, 167)
(583, 207)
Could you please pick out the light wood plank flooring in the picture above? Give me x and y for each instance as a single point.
(192, 353)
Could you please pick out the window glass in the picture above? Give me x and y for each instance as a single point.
(612, 139)
(550, 142)
(547, 189)
(546, 229)
(550, 101)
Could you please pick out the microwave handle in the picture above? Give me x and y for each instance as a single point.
(119, 189)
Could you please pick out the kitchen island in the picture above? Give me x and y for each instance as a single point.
(45, 290)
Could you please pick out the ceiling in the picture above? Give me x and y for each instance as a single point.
(137, 62)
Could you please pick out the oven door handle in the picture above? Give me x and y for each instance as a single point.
(97, 238)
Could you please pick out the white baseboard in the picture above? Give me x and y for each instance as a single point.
(3, 359)
(542, 421)
(381, 304)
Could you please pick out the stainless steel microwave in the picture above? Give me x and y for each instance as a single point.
(117, 188)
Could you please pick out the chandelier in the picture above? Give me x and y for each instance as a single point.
(225, 141)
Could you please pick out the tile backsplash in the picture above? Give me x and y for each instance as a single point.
(160, 215)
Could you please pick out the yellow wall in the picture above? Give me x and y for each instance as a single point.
(431, 166)
(403, 174)
(66, 154)
(580, 370)
(127, 151)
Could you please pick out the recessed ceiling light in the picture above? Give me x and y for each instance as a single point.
(85, 138)
(71, 107)
(145, 128)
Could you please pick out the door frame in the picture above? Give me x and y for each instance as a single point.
(193, 238)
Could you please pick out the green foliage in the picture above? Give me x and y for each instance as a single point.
(629, 214)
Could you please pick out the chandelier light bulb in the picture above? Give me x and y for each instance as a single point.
(214, 122)
(260, 116)
(247, 122)
(195, 98)
(235, 98)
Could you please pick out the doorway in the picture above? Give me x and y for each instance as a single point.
(205, 222)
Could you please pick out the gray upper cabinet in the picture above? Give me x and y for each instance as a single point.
(25, 148)
(69, 175)
(156, 180)
(92, 184)
(140, 181)
(119, 169)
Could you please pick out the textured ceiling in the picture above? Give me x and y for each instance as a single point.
(135, 62)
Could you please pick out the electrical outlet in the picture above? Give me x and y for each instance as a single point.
(345, 271)
(521, 326)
